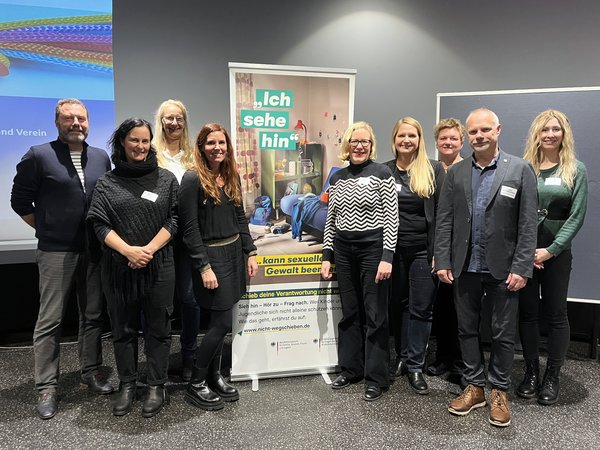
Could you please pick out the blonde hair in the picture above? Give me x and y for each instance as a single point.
(567, 169)
(227, 168)
(160, 142)
(449, 123)
(345, 153)
(420, 170)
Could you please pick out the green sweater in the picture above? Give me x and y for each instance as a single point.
(565, 208)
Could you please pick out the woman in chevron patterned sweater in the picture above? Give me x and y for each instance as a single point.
(361, 229)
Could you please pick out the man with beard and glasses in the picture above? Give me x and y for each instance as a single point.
(51, 192)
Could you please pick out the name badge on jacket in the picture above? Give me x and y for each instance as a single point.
(509, 192)
(147, 195)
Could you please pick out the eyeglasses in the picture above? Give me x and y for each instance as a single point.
(364, 142)
(170, 119)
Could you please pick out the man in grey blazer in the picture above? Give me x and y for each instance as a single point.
(485, 244)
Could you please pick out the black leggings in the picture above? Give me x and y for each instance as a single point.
(212, 343)
(552, 283)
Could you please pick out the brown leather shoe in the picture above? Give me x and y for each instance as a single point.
(472, 397)
(499, 410)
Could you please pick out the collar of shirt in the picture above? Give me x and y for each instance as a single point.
(176, 157)
(491, 165)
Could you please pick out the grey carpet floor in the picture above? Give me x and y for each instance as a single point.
(294, 413)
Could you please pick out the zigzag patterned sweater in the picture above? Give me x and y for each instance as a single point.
(363, 205)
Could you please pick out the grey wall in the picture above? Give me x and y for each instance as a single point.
(405, 51)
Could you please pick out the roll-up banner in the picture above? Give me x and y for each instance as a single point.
(287, 124)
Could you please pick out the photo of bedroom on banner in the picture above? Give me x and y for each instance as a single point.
(287, 140)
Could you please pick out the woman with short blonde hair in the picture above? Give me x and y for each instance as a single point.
(360, 231)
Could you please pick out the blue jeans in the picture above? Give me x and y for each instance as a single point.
(413, 294)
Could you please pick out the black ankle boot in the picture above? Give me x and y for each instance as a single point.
(157, 397)
(123, 400)
(549, 391)
(200, 395)
(530, 383)
(218, 384)
(186, 369)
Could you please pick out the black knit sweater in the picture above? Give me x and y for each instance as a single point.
(128, 206)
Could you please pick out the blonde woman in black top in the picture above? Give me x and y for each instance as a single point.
(418, 183)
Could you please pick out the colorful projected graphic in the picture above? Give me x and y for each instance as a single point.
(82, 42)
(49, 50)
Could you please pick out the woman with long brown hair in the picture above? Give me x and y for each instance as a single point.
(216, 235)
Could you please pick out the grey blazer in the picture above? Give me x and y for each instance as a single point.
(510, 219)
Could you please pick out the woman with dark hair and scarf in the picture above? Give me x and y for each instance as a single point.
(133, 213)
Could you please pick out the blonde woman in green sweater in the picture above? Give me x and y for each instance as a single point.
(562, 190)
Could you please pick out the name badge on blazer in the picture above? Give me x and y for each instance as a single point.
(508, 191)
(398, 187)
(147, 195)
(552, 181)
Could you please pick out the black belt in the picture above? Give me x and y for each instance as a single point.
(545, 214)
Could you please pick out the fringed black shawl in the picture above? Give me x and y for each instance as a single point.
(124, 202)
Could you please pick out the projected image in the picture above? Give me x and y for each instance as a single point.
(49, 49)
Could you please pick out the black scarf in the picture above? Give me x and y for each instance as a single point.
(137, 169)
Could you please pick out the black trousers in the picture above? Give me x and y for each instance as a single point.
(553, 283)
(469, 291)
(412, 297)
(190, 309)
(363, 329)
(156, 308)
(445, 326)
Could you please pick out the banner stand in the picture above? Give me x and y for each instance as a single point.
(287, 124)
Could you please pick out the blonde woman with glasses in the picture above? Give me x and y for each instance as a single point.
(175, 153)
(360, 231)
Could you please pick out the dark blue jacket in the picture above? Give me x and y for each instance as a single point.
(47, 185)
